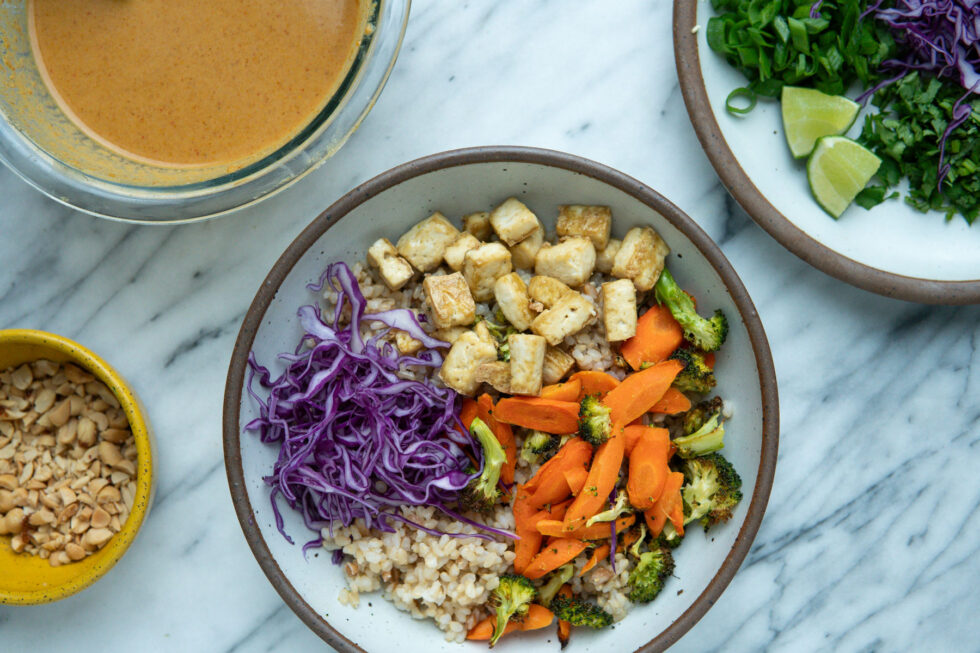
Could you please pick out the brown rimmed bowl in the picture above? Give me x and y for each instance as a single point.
(456, 183)
(892, 250)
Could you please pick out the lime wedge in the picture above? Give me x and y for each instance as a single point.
(809, 114)
(837, 171)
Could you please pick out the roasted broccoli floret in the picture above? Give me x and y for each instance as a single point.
(709, 437)
(669, 536)
(705, 334)
(620, 507)
(481, 493)
(560, 576)
(500, 333)
(648, 576)
(712, 489)
(580, 612)
(696, 375)
(697, 416)
(594, 423)
(538, 446)
(510, 601)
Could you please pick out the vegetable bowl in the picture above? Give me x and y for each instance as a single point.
(287, 487)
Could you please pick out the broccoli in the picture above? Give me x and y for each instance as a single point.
(648, 577)
(696, 375)
(481, 493)
(510, 601)
(710, 437)
(635, 549)
(580, 612)
(669, 536)
(537, 447)
(500, 333)
(703, 334)
(594, 423)
(620, 507)
(561, 576)
(697, 416)
(712, 490)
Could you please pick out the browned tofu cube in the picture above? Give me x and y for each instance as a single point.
(605, 258)
(478, 224)
(425, 244)
(557, 363)
(511, 295)
(619, 309)
(547, 290)
(497, 374)
(570, 261)
(456, 252)
(449, 299)
(592, 222)
(467, 354)
(526, 363)
(641, 257)
(482, 267)
(512, 221)
(568, 316)
(523, 253)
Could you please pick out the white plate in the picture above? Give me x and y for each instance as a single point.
(457, 183)
(892, 249)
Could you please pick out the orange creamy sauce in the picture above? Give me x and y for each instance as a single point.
(194, 82)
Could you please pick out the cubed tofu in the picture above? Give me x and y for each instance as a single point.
(481, 329)
(619, 309)
(570, 261)
(482, 267)
(456, 252)
(406, 344)
(425, 244)
(569, 315)
(478, 224)
(526, 363)
(468, 353)
(512, 221)
(379, 251)
(450, 300)
(604, 258)
(557, 364)
(450, 335)
(497, 374)
(641, 257)
(510, 292)
(592, 222)
(547, 290)
(523, 253)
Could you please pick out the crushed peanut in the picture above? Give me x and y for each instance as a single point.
(67, 462)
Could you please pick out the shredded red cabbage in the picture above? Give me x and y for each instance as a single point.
(357, 439)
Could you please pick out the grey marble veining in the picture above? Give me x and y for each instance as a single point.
(869, 543)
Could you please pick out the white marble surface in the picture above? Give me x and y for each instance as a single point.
(868, 543)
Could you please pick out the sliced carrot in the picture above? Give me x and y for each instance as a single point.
(564, 627)
(504, 434)
(601, 480)
(574, 453)
(709, 359)
(554, 555)
(598, 531)
(525, 520)
(657, 336)
(553, 486)
(548, 415)
(628, 539)
(594, 383)
(467, 412)
(640, 391)
(575, 477)
(672, 403)
(597, 555)
(648, 468)
(568, 391)
(537, 617)
(670, 506)
(634, 431)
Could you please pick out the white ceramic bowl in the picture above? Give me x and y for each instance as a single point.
(456, 183)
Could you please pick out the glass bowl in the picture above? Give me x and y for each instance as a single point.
(41, 145)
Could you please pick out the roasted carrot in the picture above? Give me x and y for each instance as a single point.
(574, 453)
(568, 391)
(551, 485)
(556, 553)
(575, 477)
(648, 468)
(598, 531)
(657, 336)
(709, 359)
(640, 391)
(525, 521)
(537, 617)
(504, 434)
(673, 402)
(597, 555)
(467, 412)
(594, 383)
(548, 415)
(601, 480)
(633, 433)
(564, 627)
(628, 539)
(668, 506)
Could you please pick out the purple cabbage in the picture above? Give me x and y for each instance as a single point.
(357, 439)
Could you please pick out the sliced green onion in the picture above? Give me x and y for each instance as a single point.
(741, 93)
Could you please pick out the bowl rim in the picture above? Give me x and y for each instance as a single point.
(499, 154)
(139, 426)
(767, 216)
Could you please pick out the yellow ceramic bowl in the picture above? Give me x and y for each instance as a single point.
(27, 579)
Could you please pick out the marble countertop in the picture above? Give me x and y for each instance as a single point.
(869, 542)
